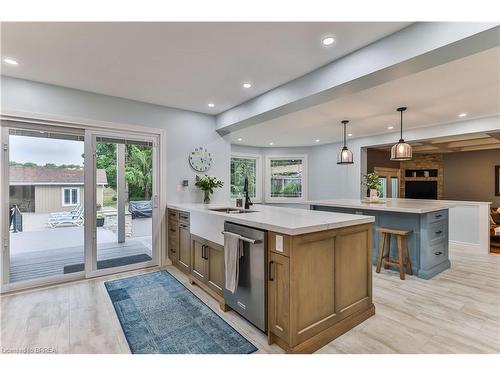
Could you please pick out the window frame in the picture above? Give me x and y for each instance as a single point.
(258, 174)
(70, 188)
(304, 196)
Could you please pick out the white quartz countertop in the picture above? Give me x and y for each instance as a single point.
(416, 206)
(292, 221)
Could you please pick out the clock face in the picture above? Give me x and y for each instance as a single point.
(200, 159)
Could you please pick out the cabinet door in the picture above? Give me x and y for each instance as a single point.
(173, 241)
(279, 295)
(198, 261)
(215, 272)
(184, 259)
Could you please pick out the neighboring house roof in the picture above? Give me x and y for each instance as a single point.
(51, 176)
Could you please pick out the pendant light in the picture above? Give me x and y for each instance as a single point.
(401, 150)
(345, 155)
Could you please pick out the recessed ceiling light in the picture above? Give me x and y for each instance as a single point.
(349, 135)
(462, 114)
(211, 105)
(317, 140)
(247, 85)
(271, 143)
(240, 139)
(328, 41)
(390, 127)
(10, 61)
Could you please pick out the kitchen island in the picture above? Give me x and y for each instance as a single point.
(317, 267)
(427, 219)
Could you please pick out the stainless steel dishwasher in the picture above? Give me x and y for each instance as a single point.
(249, 299)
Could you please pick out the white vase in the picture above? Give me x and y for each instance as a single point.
(374, 195)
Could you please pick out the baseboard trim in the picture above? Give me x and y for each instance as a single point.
(467, 246)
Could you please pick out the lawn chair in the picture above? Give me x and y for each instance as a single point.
(74, 212)
(70, 219)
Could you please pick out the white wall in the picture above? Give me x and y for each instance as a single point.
(184, 129)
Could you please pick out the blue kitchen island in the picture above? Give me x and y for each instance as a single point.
(428, 221)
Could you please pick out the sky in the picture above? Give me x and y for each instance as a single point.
(45, 150)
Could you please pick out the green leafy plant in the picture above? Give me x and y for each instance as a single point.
(208, 184)
(371, 181)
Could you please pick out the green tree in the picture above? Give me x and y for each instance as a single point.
(106, 159)
(239, 169)
(139, 171)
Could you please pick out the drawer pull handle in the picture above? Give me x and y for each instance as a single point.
(184, 217)
(438, 253)
(270, 275)
(173, 251)
(439, 232)
(204, 252)
(438, 216)
(183, 226)
(172, 230)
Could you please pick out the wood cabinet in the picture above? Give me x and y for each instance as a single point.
(199, 262)
(179, 243)
(279, 296)
(215, 268)
(207, 267)
(184, 258)
(319, 288)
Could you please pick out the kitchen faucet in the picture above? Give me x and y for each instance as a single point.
(248, 202)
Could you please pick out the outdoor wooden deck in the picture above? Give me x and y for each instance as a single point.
(45, 263)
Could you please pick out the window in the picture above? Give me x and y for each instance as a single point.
(70, 196)
(286, 178)
(246, 165)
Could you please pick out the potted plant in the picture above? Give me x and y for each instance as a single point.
(99, 219)
(208, 184)
(372, 182)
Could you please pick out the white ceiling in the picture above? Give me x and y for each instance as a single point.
(183, 65)
(434, 96)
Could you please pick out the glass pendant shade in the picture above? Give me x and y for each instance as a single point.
(401, 150)
(345, 155)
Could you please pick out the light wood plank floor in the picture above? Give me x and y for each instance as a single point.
(456, 312)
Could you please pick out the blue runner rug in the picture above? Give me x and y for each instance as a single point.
(160, 315)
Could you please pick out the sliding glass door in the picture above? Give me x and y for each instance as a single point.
(45, 184)
(126, 200)
(124, 197)
(76, 203)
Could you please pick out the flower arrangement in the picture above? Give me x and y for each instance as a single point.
(371, 181)
(208, 184)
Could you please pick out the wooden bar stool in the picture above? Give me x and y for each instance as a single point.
(384, 251)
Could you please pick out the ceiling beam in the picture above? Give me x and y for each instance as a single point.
(416, 48)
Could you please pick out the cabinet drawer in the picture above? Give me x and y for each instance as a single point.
(438, 215)
(184, 225)
(173, 214)
(438, 231)
(435, 255)
(183, 216)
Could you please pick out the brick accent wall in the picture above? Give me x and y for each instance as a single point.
(423, 161)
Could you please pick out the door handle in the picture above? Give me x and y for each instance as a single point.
(270, 272)
(204, 254)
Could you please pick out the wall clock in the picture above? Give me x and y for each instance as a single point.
(200, 159)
